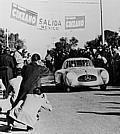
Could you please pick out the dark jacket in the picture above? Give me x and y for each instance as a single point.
(6, 60)
(31, 74)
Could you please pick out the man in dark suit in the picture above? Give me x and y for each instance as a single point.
(7, 67)
(31, 74)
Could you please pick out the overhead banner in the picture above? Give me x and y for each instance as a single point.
(74, 22)
(24, 15)
(46, 23)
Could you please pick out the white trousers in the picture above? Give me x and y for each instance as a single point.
(15, 83)
(27, 114)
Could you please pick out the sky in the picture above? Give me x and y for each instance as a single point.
(51, 17)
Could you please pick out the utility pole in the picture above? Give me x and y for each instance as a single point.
(101, 19)
(7, 37)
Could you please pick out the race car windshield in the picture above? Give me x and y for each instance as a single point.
(78, 63)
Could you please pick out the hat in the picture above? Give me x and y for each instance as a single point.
(35, 57)
(6, 50)
(37, 90)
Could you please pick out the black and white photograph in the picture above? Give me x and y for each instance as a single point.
(60, 66)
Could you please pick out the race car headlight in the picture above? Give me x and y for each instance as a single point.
(71, 75)
(104, 75)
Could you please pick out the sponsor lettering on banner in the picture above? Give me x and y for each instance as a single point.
(49, 24)
(74, 22)
(24, 15)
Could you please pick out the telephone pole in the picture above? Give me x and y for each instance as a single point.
(101, 19)
(7, 38)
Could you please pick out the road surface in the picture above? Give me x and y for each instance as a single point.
(83, 111)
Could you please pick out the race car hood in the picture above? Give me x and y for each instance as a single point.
(84, 70)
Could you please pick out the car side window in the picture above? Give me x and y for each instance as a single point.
(65, 65)
(72, 64)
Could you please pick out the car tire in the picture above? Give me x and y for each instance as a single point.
(58, 85)
(103, 87)
(67, 89)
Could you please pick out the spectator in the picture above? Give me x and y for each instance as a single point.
(49, 60)
(19, 59)
(116, 67)
(7, 60)
(98, 61)
(7, 67)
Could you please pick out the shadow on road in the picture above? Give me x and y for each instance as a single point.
(4, 127)
(3, 121)
(111, 102)
(107, 94)
(54, 89)
(100, 113)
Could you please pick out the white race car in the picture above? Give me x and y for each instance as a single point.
(77, 72)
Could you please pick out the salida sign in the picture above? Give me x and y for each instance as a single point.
(24, 15)
(49, 24)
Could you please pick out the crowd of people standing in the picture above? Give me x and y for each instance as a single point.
(20, 76)
(11, 63)
(102, 55)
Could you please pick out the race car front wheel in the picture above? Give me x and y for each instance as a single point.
(66, 88)
(103, 87)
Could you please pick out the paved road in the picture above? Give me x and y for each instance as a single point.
(85, 112)
(82, 111)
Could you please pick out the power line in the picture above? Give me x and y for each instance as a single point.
(41, 1)
(72, 2)
(81, 2)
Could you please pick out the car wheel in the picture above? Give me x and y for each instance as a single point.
(103, 87)
(67, 89)
(58, 85)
